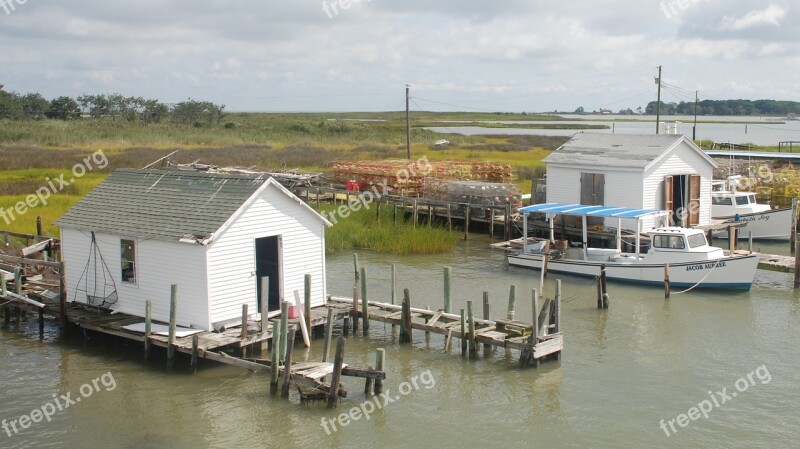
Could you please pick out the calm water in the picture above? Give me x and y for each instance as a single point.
(623, 370)
(760, 133)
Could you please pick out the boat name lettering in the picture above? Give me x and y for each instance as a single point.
(704, 266)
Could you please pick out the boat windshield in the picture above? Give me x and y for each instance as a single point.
(742, 200)
(697, 240)
(669, 241)
(721, 200)
(752, 199)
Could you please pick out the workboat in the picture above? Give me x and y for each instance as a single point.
(685, 253)
(729, 205)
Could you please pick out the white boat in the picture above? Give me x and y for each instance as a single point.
(730, 205)
(692, 261)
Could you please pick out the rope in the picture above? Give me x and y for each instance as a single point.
(592, 282)
(701, 280)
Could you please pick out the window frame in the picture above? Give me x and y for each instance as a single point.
(134, 280)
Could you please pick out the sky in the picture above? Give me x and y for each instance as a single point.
(349, 55)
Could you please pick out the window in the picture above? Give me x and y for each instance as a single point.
(128, 261)
(752, 199)
(722, 201)
(669, 241)
(741, 200)
(697, 240)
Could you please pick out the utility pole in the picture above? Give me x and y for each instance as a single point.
(694, 128)
(408, 123)
(658, 102)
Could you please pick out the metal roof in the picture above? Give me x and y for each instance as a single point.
(618, 150)
(591, 211)
(169, 205)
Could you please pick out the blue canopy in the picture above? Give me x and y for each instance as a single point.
(581, 210)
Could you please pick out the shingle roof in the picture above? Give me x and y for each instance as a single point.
(618, 150)
(162, 204)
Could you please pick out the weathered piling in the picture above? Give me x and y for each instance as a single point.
(604, 284)
(447, 289)
(485, 305)
(414, 213)
(275, 357)
(394, 283)
(558, 305)
(195, 349)
(666, 280)
(244, 324)
(466, 222)
(284, 327)
(307, 301)
(380, 360)
(471, 335)
(355, 309)
(173, 314)
(62, 297)
(449, 218)
(18, 281)
(355, 265)
(793, 230)
(512, 302)
(287, 367)
(148, 322)
(463, 332)
(405, 328)
(750, 242)
(338, 361)
(364, 301)
(328, 334)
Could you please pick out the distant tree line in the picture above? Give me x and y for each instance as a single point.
(34, 106)
(727, 107)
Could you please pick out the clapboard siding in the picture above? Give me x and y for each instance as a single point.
(563, 184)
(159, 265)
(682, 160)
(231, 258)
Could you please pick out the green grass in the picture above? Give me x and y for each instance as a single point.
(364, 230)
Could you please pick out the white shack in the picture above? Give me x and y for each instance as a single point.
(664, 171)
(214, 235)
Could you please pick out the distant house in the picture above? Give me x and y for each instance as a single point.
(214, 235)
(664, 171)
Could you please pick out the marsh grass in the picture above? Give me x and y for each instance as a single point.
(363, 230)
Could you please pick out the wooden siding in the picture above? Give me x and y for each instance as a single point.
(159, 265)
(231, 258)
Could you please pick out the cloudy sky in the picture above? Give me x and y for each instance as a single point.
(349, 55)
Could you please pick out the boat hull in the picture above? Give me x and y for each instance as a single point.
(732, 272)
(774, 224)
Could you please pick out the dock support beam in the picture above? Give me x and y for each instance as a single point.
(173, 315)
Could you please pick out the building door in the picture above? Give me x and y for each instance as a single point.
(682, 199)
(593, 187)
(268, 263)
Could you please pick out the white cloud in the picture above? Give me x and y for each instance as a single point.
(772, 15)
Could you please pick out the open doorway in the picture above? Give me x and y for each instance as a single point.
(268, 263)
(682, 199)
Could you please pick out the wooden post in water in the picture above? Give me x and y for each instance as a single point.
(405, 328)
(195, 350)
(466, 222)
(731, 239)
(244, 325)
(41, 324)
(148, 319)
(355, 265)
(558, 305)
(750, 242)
(18, 281)
(666, 280)
(173, 315)
(797, 264)
(364, 302)
(448, 271)
(414, 213)
(307, 299)
(512, 300)
(491, 224)
(431, 211)
(507, 223)
(471, 337)
(338, 361)
(265, 301)
(355, 309)
(793, 230)
(463, 332)
(328, 334)
(275, 357)
(486, 306)
(604, 284)
(380, 361)
(449, 218)
(287, 367)
(284, 329)
(62, 297)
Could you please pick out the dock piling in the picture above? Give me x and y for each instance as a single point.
(244, 323)
(328, 334)
(466, 222)
(284, 328)
(604, 284)
(338, 361)
(62, 297)
(463, 332)
(405, 328)
(793, 230)
(355, 309)
(471, 335)
(148, 318)
(512, 300)
(666, 280)
(448, 271)
(287, 367)
(380, 360)
(275, 357)
(173, 314)
(307, 298)
(195, 345)
(355, 265)
(364, 302)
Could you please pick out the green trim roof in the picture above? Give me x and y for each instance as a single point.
(166, 205)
